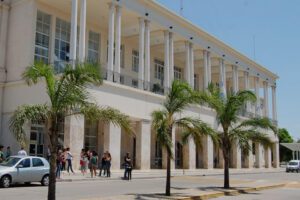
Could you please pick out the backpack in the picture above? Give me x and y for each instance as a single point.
(94, 160)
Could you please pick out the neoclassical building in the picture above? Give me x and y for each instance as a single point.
(142, 46)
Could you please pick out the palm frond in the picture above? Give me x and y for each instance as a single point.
(107, 115)
(180, 96)
(263, 123)
(160, 126)
(195, 128)
(24, 114)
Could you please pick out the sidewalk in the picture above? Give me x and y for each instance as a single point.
(202, 192)
(161, 173)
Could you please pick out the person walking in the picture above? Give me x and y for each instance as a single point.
(59, 159)
(2, 157)
(128, 167)
(94, 164)
(22, 152)
(83, 159)
(103, 165)
(8, 152)
(69, 159)
(63, 159)
(108, 164)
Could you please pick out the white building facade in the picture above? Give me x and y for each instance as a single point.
(142, 48)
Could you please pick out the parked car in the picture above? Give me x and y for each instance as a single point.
(293, 166)
(24, 169)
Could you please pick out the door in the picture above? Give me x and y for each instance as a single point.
(179, 155)
(38, 169)
(24, 172)
(36, 146)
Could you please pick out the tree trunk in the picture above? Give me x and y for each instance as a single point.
(168, 181)
(226, 172)
(53, 157)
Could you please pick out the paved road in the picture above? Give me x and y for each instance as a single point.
(274, 194)
(104, 188)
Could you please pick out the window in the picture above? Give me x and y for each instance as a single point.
(122, 56)
(25, 163)
(62, 44)
(93, 47)
(135, 61)
(42, 37)
(159, 69)
(36, 162)
(91, 135)
(177, 73)
(196, 82)
(134, 83)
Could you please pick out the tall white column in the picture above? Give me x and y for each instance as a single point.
(236, 155)
(208, 152)
(235, 79)
(3, 37)
(187, 63)
(246, 85)
(147, 54)
(274, 106)
(258, 155)
(266, 99)
(141, 53)
(171, 58)
(74, 136)
(189, 155)
(111, 33)
(73, 31)
(166, 61)
(192, 83)
(257, 105)
(112, 143)
(222, 77)
(82, 31)
(117, 69)
(207, 69)
(143, 144)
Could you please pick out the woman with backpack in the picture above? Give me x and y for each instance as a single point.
(94, 164)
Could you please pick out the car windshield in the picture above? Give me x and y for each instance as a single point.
(293, 163)
(9, 162)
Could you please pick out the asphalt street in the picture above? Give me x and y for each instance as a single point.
(104, 188)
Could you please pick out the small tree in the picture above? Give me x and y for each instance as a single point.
(235, 130)
(180, 96)
(285, 137)
(68, 95)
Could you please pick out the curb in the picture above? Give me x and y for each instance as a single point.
(231, 192)
(153, 177)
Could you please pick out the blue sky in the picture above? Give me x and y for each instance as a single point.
(275, 24)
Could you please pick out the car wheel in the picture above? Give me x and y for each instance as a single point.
(45, 180)
(5, 181)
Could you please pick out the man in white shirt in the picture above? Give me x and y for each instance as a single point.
(22, 152)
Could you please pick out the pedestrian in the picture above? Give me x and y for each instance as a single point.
(69, 158)
(128, 167)
(108, 163)
(94, 164)
(103, 165)
(2, 157)
(22, 152)
(8, 152)
(83, 160)
(59, 163)
(63, 160)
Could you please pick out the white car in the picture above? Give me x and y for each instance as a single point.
(293, 166)
(24, 169)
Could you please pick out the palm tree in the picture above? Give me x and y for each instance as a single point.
(234, 129)
(68, 95)
(180, 96)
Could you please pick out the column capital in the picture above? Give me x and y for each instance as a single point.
(147, 21)
(141, 20)
(118, 7)
(166, 32)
